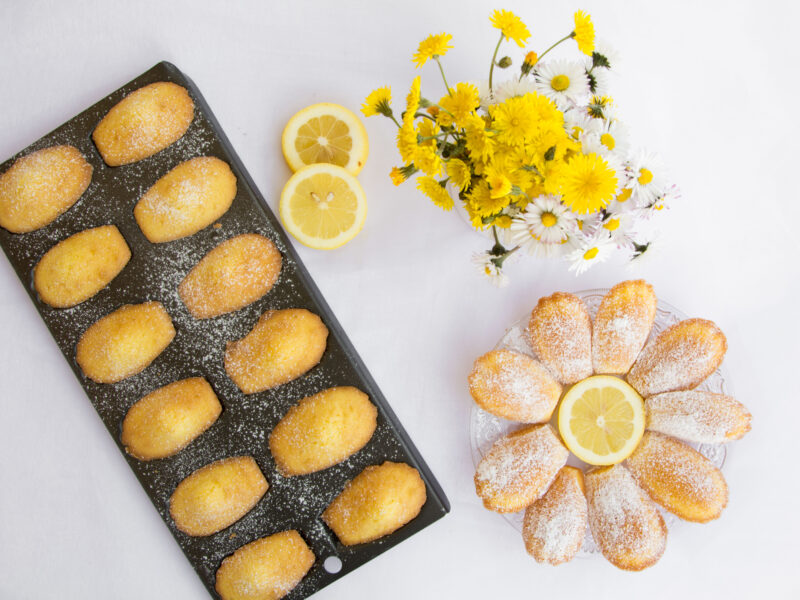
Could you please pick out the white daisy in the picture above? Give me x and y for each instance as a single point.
(619, 228)
(577, 123)
(485, 95)
(607, 52)
(587, 224)
(599, 83)
(487, 264)
(563, 81)
(514, 87)
(647, 178)
(544, 227)
(589, 252)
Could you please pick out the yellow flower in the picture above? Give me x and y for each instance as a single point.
(397, 175)
(531, 58)
(482, 202)
(499, 184)
(513, 119)
(434, 190)
(459, 173)
(503, 221)
(432, 46)
(458, 107)
(412, 101)
(588, 183)
(378, 102)
(426, 159)
(511, 25)
(584, 32)
(479, 145)
(407, 142)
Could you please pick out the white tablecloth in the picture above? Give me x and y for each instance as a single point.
(710, 86)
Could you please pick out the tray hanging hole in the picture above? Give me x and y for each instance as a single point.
(332, 564)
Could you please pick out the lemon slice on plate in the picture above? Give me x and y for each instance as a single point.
(601, 420)
(325, 133)
(323, 206)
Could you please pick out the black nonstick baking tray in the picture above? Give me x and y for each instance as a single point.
(153, 273)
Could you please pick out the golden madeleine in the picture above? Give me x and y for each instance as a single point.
(624, 522)
(81, 265)
(187, 199)
(166, 420)
(678, 478)
(375, 503)
(282, 346)
(514, 386)
(694, 416)
(555, 525)
(41, 186)
(124, 342)
(144, 122)
(560, 333)
(217, 495)
(266, 569)
(623, 322)
(322, 430)
(234, 274)
(519, 467)
(680, 358)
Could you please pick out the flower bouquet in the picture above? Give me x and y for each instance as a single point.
(541, 160)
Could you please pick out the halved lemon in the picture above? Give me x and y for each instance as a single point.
(601, 420)
(325, 133)
(323, 206)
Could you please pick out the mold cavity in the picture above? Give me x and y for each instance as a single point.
(332, 564)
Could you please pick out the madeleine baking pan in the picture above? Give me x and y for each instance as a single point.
(154, 273)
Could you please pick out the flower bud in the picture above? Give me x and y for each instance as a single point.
(504, 62)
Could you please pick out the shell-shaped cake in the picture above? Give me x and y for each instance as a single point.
(519, 467)
(143, 123)
(187, 199)
(41, 186)
(514, 386)
(679, 478)
(560, 333)
(695, 416)
(166, 420)
(124, 342)
(322, 430)
(680, 358)
(378, 501)
(217, 495)
(282, 346)
(234, 274)
(625, 523)
(266, 569)
(555, 525)
(621, 326)
(80, 266)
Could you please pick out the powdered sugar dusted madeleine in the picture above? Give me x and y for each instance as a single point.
(166, 420)
(679, 478)
(190, 197)
(41, 186)
(514, 386)
(217, 495)
(625, 523)
(680, 358)
(378, 501)
(555, 525)
(266, 569)
(234, 274)
(322, 430)
(621, 326)
(560, 333)
(519, 468)
(124, 342)
(702, 417)
(144, 122)
(282, 346)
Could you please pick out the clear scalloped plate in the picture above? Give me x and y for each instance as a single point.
(485, 428)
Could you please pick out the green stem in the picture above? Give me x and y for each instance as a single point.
(565, 38)
(441, 70)
(395, 121)
(494, 59)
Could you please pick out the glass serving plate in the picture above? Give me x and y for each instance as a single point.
(485, 428)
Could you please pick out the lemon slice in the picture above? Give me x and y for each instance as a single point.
(601, 420)
(325, 133)
(323, 206)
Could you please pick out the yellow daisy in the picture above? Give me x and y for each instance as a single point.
(434, 190)
(412, 101)
(378, 102)
(459, 173)
(511, 25)
(432, 46)
(499, 185)
(584, 32)
(458, 106)
(427, 160)
(479, 144)
(482, 202)
(407, 142)
(588, 183)
(397, 175)
(513, 120)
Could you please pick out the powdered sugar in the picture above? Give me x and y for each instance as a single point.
(696, 416)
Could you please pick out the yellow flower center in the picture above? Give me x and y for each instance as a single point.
(514, 122)
(608, 141)
(611, 224)
(645, 176)
(559, 83)
(487, 270)
(549, 219)
(590, 253)
(625, 195)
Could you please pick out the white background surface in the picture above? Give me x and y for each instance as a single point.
(711, 86)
